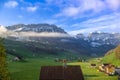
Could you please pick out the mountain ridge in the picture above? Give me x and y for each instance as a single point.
(95, 44)
(36, 28)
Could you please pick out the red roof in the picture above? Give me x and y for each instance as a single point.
(61, 73)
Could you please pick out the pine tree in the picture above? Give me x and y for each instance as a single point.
(3, 66)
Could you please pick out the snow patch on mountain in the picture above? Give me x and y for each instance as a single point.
(101, 38)
(95, 44)
(19, 29)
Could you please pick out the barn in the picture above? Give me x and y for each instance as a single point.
(61, 73)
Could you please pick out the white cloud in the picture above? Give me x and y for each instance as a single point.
(107, 28)
(32, 8)
(69, 11)
(2, 29)
(82, 6)
(95, 5)
(107, 23)
(79, 7)
(86, 30)
(34, 34)
(106, 19)
(44, 34)
(113, 4)
(11, 4)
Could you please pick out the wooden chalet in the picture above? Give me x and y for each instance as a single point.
(61, 73)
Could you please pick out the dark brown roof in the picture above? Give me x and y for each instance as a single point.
(61, 73)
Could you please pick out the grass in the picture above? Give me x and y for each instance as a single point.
(30, 70)
(92, 73)
(20, 49)
(111, 58)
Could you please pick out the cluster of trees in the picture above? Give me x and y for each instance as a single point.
(4, 74)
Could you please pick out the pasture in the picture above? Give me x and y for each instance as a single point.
(30, 70)
(92, 73)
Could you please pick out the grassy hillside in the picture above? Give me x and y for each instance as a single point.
(30, 70)
(18, 48)
(111, 58)
(37, 49)
(92, 73)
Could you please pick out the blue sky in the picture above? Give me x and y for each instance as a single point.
(75, 16)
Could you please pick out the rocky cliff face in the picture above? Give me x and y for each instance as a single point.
(35, 28)
(100, 43)
(97, 39)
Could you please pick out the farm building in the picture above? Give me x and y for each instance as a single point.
(61, 73)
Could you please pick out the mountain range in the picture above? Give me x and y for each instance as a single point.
(36, 28)
(53, 38)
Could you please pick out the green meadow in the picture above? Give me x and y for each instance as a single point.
(30, 70)
(92, 73)
(111, 58)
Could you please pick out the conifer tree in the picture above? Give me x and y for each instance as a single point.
(3, 66)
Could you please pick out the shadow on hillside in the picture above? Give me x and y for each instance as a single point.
(91, 75)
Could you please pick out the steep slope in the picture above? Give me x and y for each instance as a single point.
(117, 52)
(113, 56)
(47, 47)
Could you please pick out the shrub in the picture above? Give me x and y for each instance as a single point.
(3, 66)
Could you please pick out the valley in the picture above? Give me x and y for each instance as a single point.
(30, 70)
(59, 39)
(31, 46)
